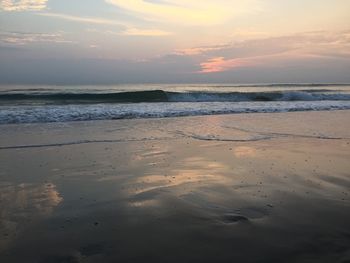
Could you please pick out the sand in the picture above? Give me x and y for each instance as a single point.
(228, 188)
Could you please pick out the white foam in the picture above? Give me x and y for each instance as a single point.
(65, 113)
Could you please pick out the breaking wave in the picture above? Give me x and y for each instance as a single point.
(85, 112)
(153, 96)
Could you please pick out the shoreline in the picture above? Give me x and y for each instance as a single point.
(330, 126)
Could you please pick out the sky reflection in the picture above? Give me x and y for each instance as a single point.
(24, 203)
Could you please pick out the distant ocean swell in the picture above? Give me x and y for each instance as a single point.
(153, 96)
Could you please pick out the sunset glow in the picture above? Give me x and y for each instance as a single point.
(197, 40)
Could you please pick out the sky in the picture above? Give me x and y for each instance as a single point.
(174, 41)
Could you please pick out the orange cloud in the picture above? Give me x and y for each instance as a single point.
(276, 51)
(199, 50)
(220, 64)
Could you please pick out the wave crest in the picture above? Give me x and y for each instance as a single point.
(154, 96)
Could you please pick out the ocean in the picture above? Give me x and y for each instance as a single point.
(42, 104)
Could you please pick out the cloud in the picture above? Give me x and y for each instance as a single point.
(274, 51)
(189, 12)
(23, 5)
(82, 19)
(22, 38)
(306, 57)
(219, 64)
(129, 30)
(199, 50)
(167, 69)
(145, 32)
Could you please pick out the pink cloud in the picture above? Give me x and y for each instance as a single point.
(220, 64)
(272, 52)
(199, 50)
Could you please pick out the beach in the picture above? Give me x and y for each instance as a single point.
(173, 131)
(259, 187)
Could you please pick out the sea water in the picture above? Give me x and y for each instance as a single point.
(40, 104)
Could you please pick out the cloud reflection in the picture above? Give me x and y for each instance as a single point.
(245, 152)
(180, 181)
(23, 203)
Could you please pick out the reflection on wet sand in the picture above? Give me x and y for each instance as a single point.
(22, 204)
(209, 173)
(181, 200)
(245, 152)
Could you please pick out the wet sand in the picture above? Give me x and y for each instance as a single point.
(228, 188)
